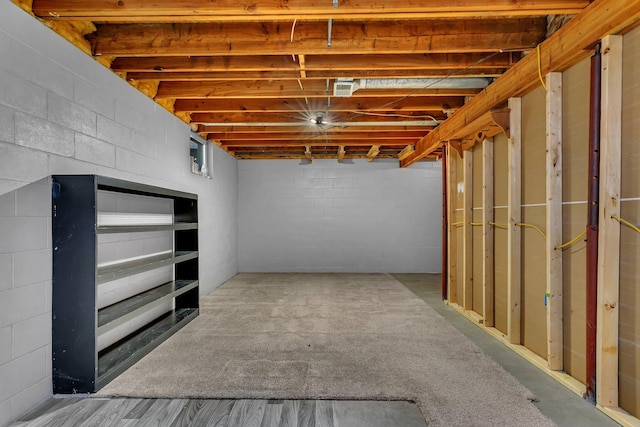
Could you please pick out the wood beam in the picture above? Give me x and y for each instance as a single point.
(212, 76)
(373, 152)
(304, 128)
(349, 63)
(555, 328)
(405, 152)
(312, 142)
(230, 89)
(453, 228)
(289, 103)
(487, 233)
(303, 70)
(570, 44)
(467, 230)
(307, 153)
(296, 118)
(514, 213)
(307, 10)
(609, 229)
(269, 38)
(396, 138)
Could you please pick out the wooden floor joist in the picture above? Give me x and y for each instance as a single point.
(570, 44)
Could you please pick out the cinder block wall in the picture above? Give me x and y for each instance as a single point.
(339, 217)
(63, 113)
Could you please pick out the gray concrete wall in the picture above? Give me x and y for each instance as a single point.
(63, 113)
(339, 217)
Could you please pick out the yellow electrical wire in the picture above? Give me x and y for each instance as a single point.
(571, 242)
(457, 224)
(540, 68)
(522, 224)
(499, 224)
(627, 223)
(476, 224)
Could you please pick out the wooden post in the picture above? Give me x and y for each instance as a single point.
(514, 211)
(453, 230)
(487, 232)
(445, 224)
(467, 218)
(609, 229)
(553, 298)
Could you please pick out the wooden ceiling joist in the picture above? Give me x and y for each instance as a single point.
(570, 44)
(247, 10)
(423, 104)
(206, 76)
(309, 134)
(299, 118)
(290, 89)
(351, 62)
(384, 37)
(303, 128)
(310, 142)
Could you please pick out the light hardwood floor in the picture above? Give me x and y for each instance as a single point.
(92, 412)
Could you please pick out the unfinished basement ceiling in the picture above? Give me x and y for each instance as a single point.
(269, 79)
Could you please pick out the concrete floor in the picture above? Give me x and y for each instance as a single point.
(557, 402)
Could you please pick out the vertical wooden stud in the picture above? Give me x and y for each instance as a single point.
(487, 232)
(609, 229)
(453, 230)
(514, 211)
(467, 218)
(553, 298)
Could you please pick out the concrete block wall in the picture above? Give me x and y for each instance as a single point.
(339, 217)
(63, 113)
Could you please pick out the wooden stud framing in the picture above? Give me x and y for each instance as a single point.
(514, 209)
(609, 229)
(373, 152)
(555, 342)
(341, 153)
(453, 229)
(467, 245)
(487, 232)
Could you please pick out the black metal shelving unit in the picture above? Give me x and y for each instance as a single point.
(78, 366)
